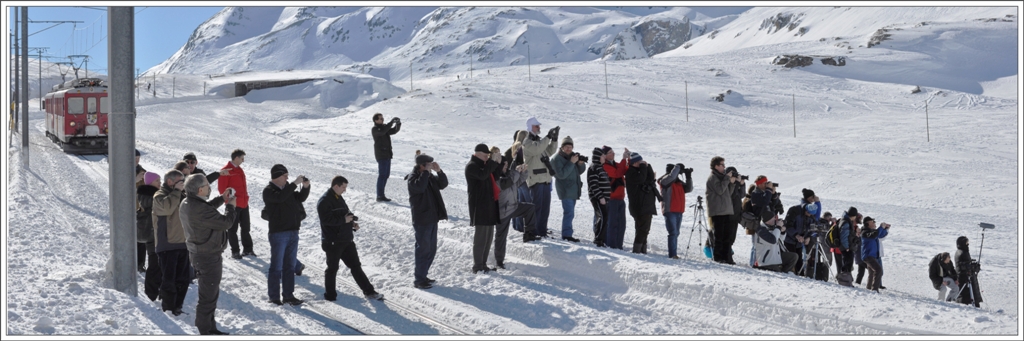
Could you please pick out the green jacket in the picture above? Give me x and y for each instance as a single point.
(567, 184)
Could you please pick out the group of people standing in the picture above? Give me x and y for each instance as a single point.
(185, 234)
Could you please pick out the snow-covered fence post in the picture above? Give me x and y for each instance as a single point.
(410, 75)
(154, 84)
(529, 75)
(172, 87)
(121, 51)
(204, 88)
(794, 115)
(470, 65)
(927, 128)
(686, 94)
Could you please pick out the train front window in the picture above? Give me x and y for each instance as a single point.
(92, 105)
(76, 105)
(105, 105)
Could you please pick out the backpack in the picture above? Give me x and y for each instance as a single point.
(833, 237)
(791, 215)
(748, 219)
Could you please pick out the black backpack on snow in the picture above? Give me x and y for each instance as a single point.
(791, 214)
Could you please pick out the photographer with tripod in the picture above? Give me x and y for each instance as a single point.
(967, 270)
(673, 204)
(720, 187)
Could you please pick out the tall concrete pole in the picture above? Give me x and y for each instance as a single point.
(121, 152)
(24, 83)
(17, 72)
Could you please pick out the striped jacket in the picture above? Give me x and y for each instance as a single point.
(598, 184)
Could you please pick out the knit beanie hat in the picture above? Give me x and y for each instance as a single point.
(812, 208)
(566, 141)
(605, 150)
(482, 148)
(635, 157)
(423, 158)
(597, 154)
(767, 215)
(150, 177)
(807, 193)
(852, 211)
(277, 171)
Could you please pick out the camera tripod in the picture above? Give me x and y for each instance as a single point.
(819, 257)
(698, 220)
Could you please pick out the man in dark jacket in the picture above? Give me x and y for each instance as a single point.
(336, 226)
(144, 233)
(642, 195)
(382, 149)
(427, 208)
(738, 193)
(206, 239)
(284, 216)
(169, 242)
(483, 203)
(943, 276)
(967, 271)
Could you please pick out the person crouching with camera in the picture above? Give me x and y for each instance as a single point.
(967, 270)
(871, 251)
(768, 245)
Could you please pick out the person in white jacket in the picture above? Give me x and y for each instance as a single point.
(768, 245)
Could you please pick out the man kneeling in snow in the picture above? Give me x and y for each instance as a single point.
(767, 245)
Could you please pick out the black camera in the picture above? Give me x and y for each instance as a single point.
(975, 266)
(683, 169)
(775, 184)
(818, 227)
(547, 163)
(580, 156)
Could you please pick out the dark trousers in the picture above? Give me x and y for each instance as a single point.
(426, 249)
(616, 230)
(140, 251)
(345, 252)
(847, 264)
(523, 210)
(722, 229)
(208, 272)
(600, 221)
(788, 262)
(642, 223)
(241, 219)
(383, 173)
(153, 274)
(174, 267)
(797, 249)
(482, 237)
(541, 193)
(874, 273)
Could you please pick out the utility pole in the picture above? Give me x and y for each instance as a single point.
(529, 75)
(794, 115)
(471, 65)
(606, 79)
(24, 84)
(40, 80)
(121, 152)
(410, 75)
(686, 89)
(17, 71)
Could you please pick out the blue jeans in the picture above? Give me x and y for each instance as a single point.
(524, 196)
(426, 248)
(541, 193)
(616, 223)
(284, 247)
(383, 173)
(568, 212)
(672, 222)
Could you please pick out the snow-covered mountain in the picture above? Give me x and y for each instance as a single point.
(383, 41)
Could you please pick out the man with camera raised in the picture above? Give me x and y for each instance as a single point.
(642, 194)
(337, 225)
(720, 187)
(382, 149)
(284, 215)
(568, 168)
(871, 251)
(768, 245)
(536, 150)
(673, 203)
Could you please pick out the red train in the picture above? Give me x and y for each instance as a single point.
(76, 116)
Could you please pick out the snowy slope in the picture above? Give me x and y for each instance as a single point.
(385, 40)
(859, 143)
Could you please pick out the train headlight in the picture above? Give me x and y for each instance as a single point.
(72, 123)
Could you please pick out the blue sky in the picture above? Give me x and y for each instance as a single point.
(159, 32)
